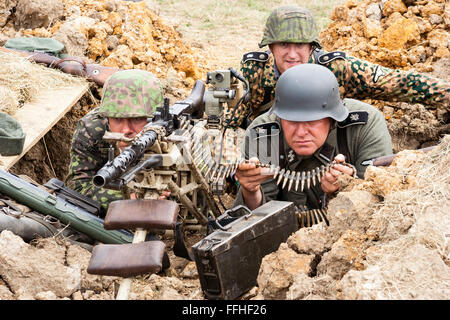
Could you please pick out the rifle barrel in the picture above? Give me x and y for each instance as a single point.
(114, 169)
(387, 160)
(94, 72)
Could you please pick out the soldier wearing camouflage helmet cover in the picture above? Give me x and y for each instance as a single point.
(309, 126)
(129, 98)
(292, 37)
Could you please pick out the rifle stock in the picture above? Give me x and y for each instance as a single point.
(385, 161)
(47, 203)
(93, 72)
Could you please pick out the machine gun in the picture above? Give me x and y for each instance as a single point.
(159, 158)
(170, 144)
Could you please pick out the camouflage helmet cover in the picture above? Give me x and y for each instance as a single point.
(290, 24)
(131, 94)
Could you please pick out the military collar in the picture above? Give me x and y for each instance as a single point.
(328, 150)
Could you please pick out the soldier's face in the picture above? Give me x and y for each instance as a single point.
(305, 137)
(129, 127)
(288, 55)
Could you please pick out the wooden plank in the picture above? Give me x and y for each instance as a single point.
(39, 117)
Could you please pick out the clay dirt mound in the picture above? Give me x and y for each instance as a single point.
(115, 33)
(406, 35)
(53, 269)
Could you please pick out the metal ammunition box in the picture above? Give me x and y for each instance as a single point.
(229, 258)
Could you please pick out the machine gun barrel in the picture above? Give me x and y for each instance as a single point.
(131, 154)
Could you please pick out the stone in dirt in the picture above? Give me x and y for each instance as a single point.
(389, 247)
(279, 269)
(421, 274)
(29, 270)
(46, 270)
(307, 288)
(345, 254)
(315, 240)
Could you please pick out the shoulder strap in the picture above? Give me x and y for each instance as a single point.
(323, 58)
(259, 56)
(342, 143)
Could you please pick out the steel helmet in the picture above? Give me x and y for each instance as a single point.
(308, 92)
(131, 94)
(290, 24)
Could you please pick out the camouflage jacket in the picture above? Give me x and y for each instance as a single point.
(358, 79)
(88, 154)
(367, 137)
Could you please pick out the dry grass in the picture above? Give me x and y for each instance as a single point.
(409, 258)
(433, 196)
(227, 29)
(22, 80)
(427, 204)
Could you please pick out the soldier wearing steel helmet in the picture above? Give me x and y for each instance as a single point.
(310, 126)
(129, 98)
(292, 36)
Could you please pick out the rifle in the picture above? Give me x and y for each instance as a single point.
(90, 71)
(385, 161)
(46, 203)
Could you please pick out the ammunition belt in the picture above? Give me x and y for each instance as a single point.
(309, 217)
(214, 172)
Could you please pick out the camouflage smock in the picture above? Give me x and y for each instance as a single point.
(357, 78)
(88, 154)
(367, 137)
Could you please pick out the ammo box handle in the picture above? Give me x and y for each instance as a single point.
(227, 214)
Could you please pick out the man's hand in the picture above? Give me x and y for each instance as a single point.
(250, 178)
(329, 181)
(165, 194)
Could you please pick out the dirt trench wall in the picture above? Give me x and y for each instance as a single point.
(53, 269)
(401, 35)
(49, 157)
(394, 33)
(113, 33)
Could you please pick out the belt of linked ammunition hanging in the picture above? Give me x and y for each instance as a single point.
(308, 217)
